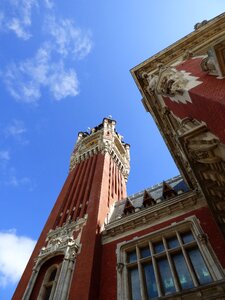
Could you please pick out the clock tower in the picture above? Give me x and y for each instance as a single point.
(66, 261)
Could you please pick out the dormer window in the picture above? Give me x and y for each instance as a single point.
(168, 191)
(128, 208)
(148, 200)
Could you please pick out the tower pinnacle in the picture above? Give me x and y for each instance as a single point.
(102, 139)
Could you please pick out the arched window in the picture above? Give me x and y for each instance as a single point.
(49, 283)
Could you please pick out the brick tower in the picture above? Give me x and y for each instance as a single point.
(65, 263)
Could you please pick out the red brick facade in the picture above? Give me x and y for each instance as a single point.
(208, 99)
(108, 264)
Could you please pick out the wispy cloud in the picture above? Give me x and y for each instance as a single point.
(10, 177)
(4, 155)
(26, 80)
(68, 38)
(11, 265)
(50, 68)
(18, 16)
(16, 129)
(49, 3)
(15, 182)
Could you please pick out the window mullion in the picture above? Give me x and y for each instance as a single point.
(155, 268)
(127, 285)
(141, 277)
(187, 260)
(177, 286)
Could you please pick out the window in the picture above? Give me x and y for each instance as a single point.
(49, 283)
(163, 264)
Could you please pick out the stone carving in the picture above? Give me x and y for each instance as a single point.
(168, 82)
(188, 54)
(200, 24)
(208, 64)
(151, 80)
(65, 239)
(187, 125)
(120, 267)
(171, 82)
(203, 238)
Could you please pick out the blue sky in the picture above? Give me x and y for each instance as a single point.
(64, 67)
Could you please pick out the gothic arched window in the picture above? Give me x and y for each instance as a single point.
(49, 283)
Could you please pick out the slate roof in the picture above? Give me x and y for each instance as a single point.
(177, 183)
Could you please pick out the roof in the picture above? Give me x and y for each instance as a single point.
(156, 192)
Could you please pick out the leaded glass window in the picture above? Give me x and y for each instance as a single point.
(165, 265)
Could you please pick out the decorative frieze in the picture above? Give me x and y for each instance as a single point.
(65, 239)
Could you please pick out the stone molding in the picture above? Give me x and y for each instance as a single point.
(151, 215)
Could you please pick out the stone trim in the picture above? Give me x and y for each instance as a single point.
(62, 241)
(153, 215)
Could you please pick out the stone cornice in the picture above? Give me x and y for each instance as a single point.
(147, 216)
(196, 43)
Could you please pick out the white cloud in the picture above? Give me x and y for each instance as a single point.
(17, 16)
(49, 67)
(4, 155)
(26, 80)
(63, 83)
(15, 251)
(49, 3)
(68, 38)
(15, 129)
(14, 181)
(16, 26)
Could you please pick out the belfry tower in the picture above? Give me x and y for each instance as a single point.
(65, 263)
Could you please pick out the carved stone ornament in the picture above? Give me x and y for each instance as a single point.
(188, 54)
(202, 148)
(208, 64)
(120, 267)
(65, 239)
(200, 24)
(203, 238)
(169, 82)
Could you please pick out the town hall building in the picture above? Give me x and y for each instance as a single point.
(166, 242)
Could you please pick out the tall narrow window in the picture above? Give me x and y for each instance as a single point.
(49, 284)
